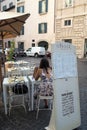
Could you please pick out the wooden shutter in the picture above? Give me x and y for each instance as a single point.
(18, 9)
(39, 28)
(45, 25)
(40, 6)
(46, 5)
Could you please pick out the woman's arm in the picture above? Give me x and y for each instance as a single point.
(35, 71)
(38, 74)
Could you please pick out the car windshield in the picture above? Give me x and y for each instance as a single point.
(29, 49)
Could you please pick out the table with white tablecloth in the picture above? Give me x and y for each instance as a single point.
(6, 82)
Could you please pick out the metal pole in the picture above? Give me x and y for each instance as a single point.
(3, 51)
(0, 76)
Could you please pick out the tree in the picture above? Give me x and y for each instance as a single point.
(11, 51)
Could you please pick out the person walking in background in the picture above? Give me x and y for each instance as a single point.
(44, 72)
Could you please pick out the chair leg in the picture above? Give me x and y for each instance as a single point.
(24, 105)
(9, 109)
(38, 103)
(25, 108)
(9, 106)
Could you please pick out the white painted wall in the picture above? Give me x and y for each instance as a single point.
(31, 26)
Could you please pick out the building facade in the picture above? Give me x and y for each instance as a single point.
(39, 29)
(71, 23)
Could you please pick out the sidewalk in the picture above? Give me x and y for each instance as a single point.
(19, 120)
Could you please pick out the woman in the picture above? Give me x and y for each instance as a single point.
(45, 73)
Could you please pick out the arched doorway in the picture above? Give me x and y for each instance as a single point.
(43, 44)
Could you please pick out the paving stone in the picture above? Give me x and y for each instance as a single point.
(19, 120)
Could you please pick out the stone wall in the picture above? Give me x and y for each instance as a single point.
(77, 32)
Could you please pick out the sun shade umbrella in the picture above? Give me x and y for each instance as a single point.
(11, 24)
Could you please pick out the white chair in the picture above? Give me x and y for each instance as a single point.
(39, 98)
(17, 95)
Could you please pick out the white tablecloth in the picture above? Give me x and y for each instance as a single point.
(24, 71)
(6, 83)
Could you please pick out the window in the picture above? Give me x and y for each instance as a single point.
(11, 4)
(20, 9)
(22, 31)
(67, 40)
(68, 3)
(9, 44)
(29, 49)
(43, 6)
(20, 45)
(4, 7)
(42, 28)
(33, 44)
(67, 22)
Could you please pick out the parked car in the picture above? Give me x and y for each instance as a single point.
(35, 51)
(48, 54)
(19, 52)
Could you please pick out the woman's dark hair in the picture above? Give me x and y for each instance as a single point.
(44, 64)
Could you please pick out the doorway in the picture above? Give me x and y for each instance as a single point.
(43, 44)
(20, 45)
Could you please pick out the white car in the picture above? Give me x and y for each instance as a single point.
(35, 51)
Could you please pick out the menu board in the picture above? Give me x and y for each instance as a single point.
(66, 110)
(64, 65)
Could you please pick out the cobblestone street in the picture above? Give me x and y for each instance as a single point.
(18, 120)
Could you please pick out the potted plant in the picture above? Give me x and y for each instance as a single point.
(11, 52)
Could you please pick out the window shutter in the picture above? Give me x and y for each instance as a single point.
(18, 9)
(45, 25)
(46, 5)
(40, 6)
(23, 30)
(38, 28)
